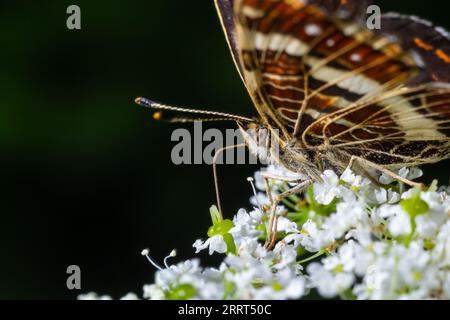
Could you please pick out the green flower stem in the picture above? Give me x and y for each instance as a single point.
(318, 254)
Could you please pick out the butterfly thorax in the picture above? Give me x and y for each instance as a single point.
(301, 160)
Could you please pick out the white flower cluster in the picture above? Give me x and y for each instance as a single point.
(252, 272)
(346, 237)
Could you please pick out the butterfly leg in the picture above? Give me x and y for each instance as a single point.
(273, 221)
(363, 162)
(216, 178)
(267, 177)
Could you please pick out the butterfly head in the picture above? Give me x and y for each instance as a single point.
(262, 141)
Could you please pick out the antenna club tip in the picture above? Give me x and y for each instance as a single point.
(250, 179)
(145, 252)
(144, 102)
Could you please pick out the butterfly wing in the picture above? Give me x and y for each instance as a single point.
(408, 125)
(430, 45)
(311, 65)
(302, 60)
(227, 19)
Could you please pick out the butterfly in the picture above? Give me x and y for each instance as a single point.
(332, 91)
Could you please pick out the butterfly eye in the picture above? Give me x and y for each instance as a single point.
(252, 126)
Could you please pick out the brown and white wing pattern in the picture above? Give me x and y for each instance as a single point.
(409, 125)
(290, 50)
(316, 72)
(302, 60)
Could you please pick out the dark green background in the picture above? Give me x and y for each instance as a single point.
(86, 176)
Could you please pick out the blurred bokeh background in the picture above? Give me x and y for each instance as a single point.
(86, 175)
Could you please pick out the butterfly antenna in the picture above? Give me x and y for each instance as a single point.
(213, 115)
